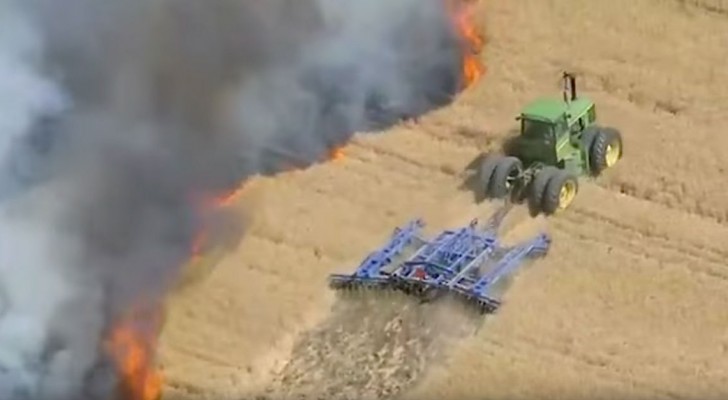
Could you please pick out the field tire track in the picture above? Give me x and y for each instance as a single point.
(665, 241)
(633, 241)
(526, 348)
(627, 190)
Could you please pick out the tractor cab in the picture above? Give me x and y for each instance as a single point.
(542, 125)
(551, 128)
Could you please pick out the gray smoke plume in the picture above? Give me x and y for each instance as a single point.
(116, 114)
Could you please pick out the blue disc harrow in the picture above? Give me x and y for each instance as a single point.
(467, 263)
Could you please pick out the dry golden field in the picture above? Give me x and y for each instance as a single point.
(632, 301)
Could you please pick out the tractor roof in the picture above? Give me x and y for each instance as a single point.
(550, 110)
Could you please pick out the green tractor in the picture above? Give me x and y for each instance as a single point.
(559, 141)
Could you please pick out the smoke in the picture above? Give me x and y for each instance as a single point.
(377, 62)
(115, 114)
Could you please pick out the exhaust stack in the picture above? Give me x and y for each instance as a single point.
(569, 87)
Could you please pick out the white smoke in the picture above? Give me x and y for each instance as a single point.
(25, 91)
(31, 293)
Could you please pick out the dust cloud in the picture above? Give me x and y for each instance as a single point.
(374, 345)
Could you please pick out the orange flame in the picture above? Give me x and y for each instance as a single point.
(230, 197)
(336, 154)
(462, 13)
(132, 352)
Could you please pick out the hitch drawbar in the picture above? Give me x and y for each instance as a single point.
(467, 263)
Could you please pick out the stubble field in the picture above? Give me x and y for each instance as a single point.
(631, 301)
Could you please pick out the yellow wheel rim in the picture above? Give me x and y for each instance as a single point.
(567, 194)
(613, 152)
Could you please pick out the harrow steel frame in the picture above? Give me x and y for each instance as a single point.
(466, 262)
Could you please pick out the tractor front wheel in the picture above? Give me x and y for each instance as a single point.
(560, 192)
(606, 150)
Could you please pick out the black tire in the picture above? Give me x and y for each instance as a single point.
(598, 150)
(508, 167)
(587, 138)
(485, 173)
(538, 188)
(552, 195)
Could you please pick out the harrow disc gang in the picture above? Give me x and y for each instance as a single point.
(465, 262)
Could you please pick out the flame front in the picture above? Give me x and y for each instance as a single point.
(336, 154)
(133, 349)
(230, 197)
(133, 352)
(462, 13)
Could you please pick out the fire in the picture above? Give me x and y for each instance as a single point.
(224, 200)
(462, 13)
(336, 154)
(132, 351)
(230, 197)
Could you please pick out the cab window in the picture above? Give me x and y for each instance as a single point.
(579, 125)
(592, 114)
(561, 127)
(535, 129)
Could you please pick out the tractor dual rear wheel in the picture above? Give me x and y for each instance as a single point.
(538, 188)
(499, 175)
(553, 190)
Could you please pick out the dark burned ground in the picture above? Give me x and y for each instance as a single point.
(371, 347)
